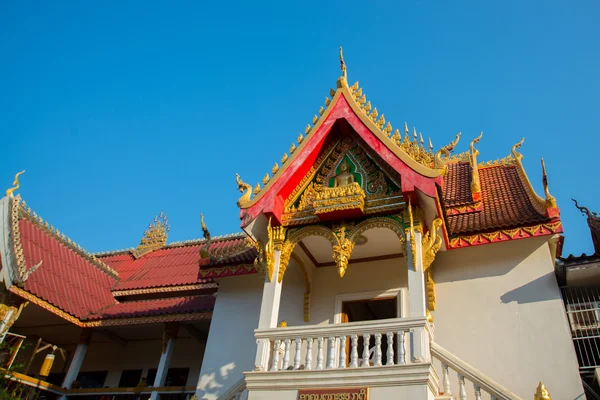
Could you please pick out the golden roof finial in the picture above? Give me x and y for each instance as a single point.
(542, 393)
(204, 228)
(550, 200)
(342, 63)
(475, 186)
(518, 156)
(16, 184)
(343, 80)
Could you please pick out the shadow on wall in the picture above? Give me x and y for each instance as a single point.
(534, 291)
(211, 383)
(483, 261)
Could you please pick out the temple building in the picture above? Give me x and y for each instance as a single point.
(369, 265)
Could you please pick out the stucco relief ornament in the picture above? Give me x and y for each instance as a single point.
(342, 250)
(431, 243)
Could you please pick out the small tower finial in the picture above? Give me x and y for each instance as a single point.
(342, 81)
(16, 185)
(342, 63)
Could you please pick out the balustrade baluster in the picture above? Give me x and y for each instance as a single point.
(320, 352)
(354, 351)
(298, 353)
(309, 342)
(477, 392)
(286, 353)
(331, 351)
(401, 348)
(275, 365)
(365, 354)
(390, 349)
(462, 391)
(446, 380)
(378, 355)
(342, 352)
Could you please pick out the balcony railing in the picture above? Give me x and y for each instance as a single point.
(351, 345)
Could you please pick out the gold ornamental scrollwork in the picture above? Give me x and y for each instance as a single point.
(431, 243)
(342, 250)
(284, 258)
(265, 260)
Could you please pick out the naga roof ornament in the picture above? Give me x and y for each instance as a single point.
(16, 185)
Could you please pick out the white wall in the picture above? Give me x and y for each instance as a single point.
(231, 347)
(499, 309)
(327, 284)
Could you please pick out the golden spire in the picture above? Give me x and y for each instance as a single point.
(155, 236)
(342, 81)
(550, 200)
(10, 191)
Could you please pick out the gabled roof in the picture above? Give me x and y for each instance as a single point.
(419, 167)
(45, 267)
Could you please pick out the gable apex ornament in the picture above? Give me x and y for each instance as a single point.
(155, 236)
(343, 80)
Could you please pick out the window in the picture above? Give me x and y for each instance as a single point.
(584, 315)
(175, 376)
(92, 379)
(130, 378)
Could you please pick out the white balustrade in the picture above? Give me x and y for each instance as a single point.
(463, 371)
(363, 344)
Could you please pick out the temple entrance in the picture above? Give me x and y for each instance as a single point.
(369, 310)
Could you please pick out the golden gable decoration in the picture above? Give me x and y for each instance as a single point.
(155, 236)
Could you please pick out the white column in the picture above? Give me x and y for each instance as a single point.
(419, 342)
(165, 358)
(269, 311)
(77, 360)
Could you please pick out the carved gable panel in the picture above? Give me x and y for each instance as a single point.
(347, 181)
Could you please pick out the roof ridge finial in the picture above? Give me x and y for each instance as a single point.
(550, 200)
(475, 185)
(16, 185)
(343, 80)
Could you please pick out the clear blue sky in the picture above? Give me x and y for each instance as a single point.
(118, 110)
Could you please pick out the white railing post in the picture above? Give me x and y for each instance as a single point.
(446, 380)
(286, 354)
(390, 348)
(462, 391)
(365, 354)
(378, 356)
(320, 352)
(401, 348)
(354, 351)
(342, 352)
(276, 346)
(298, 354)
(309, 342)
(477, 391)
(331, 351)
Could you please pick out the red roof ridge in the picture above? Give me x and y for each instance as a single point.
(21, 209)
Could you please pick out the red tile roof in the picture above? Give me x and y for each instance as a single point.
(143, 308)
(505, 200)
(176, 265)
(457, 185)
(65, 279)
